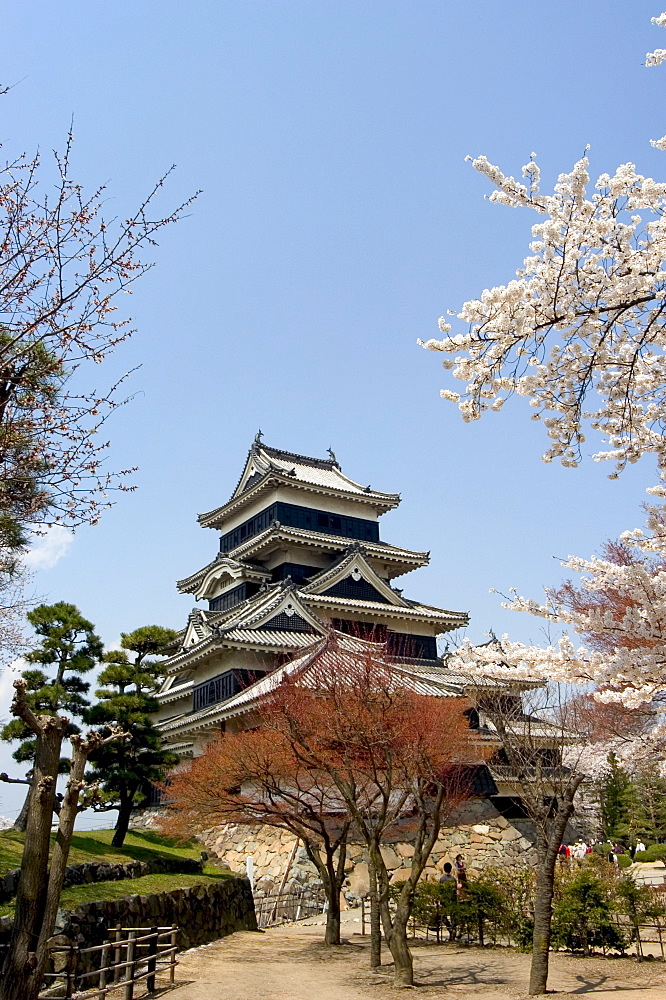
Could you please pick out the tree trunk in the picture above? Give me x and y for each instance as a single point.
(542, 923)
(336, 876)
(375, 923)
(21, 820)
(332, 876)
(19, 979)
(550, 830)
(395, 925)
(60, 854)
(332, 933)
(402, 956)
(124, 816)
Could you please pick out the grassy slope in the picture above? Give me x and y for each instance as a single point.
(95, 845)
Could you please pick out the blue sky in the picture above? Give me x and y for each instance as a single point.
(338, 221)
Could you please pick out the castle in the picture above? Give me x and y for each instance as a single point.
(299, 553)
(300, 559)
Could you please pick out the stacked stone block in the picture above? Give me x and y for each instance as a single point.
(477, 831)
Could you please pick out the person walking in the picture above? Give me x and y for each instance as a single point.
(449, 882)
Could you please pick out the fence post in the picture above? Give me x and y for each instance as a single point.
(103, 969)
(172, 969)
(131, 949)
(117, 952)
(152, 959)
(72, 965)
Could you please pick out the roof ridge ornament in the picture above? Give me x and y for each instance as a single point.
(256, 444)
(333, 458)
(356, 546)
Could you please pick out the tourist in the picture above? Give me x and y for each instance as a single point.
(461, 871)
(640, 846)
(448, 879)
(579, 850)
(450, 894)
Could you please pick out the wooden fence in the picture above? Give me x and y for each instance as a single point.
(135, 954)
(277, 908)
(639, 935)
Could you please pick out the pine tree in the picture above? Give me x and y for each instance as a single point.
(648, 804)
(616, 797)
(126, 768)
(69, 647)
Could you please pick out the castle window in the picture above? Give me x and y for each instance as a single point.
(222, 687)
(307, 518)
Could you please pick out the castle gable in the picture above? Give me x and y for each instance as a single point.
(353, 577)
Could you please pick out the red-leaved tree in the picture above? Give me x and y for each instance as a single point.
(255, 777)
(356, 719)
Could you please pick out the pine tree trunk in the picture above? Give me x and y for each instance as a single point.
(60, 853)
(124, 816)
(20, 979)
(21, 821)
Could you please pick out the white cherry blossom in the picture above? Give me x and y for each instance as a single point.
(622, 617)
(579, 332)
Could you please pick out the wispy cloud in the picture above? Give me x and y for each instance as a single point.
(49, 548)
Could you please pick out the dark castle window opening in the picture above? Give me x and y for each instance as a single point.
(296, 571)
(222, 687)
(372, 631)
(230, 598)
(401, 645)
(287, 623)
(307, 518)
(359, 590)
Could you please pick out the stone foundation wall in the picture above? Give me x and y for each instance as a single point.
(477, 831)
(202, 913)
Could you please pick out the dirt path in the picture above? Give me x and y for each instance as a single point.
(290, 963)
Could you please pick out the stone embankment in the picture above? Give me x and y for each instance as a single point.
(104, 871)
(202, 913)
(477, 831)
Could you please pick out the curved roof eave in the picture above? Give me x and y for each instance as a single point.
(381, 502)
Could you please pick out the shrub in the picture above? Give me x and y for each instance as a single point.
(655, 852)
(582, 916)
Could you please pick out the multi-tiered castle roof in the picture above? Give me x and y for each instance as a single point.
(299, 552)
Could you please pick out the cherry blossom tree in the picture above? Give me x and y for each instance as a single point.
(63, 267)
(581, 334)
(619, 609)
(542, 758)
(580, 331)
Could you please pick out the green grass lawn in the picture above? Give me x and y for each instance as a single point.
(95, 845)
(98, 891)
